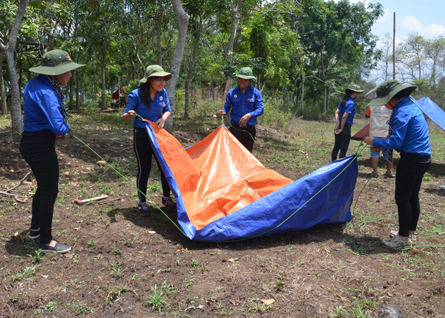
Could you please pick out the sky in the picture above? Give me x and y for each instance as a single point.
(426, 17)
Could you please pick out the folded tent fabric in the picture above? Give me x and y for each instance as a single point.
(224, 193)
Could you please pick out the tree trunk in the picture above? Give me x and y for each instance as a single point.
(16, 110)
(302, 94)
(103, 65)
(4, 107)
(77, 90)
(183, 21)
(233, 26)
(188, 81)
(158, 18)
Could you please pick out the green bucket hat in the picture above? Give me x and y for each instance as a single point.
(155, 71)
(387, 90)
(55, 62)
(355, 88)
(246, 73)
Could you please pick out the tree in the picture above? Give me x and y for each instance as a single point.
(183, 21)
(7, 45)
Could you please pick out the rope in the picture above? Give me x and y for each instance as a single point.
(127, 180)
(241, 130)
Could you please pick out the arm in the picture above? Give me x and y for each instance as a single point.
(258, 109)
(48, 101)
(129, 112)
(167, 112)
(227, 105)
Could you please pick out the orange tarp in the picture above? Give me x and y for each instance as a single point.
(217, 176)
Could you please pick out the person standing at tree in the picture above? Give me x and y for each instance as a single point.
(344, 119)
(247, 105)
(149, 101)
(378, 128)
(45, 120)
(410, 137)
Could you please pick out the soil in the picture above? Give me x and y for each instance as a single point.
(126, 265)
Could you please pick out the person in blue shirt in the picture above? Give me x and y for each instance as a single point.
(149, 101)
(344, 119)
(247, 105)
(44, 121)
(410, 137)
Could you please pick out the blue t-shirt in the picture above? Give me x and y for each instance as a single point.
(410, 130)
(249, 102)
(159, 105)
(348, 108)
(42, 106)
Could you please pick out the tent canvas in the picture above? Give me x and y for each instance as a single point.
(224, 193)
(432, 110)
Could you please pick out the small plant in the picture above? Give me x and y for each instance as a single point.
(50, 306)
(83, 310)
(36, 256)
(195, 264)
(91, 243)
(116, 251)
(157, 301)
(26, 272)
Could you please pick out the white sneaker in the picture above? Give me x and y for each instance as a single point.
(412, 236)
(397, 243)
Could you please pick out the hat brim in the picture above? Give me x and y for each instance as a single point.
(165, 75)
(379, 101)
(356, 90)
(56, 70)
(245, 76)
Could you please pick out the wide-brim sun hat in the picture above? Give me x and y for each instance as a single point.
(387, 90)
(155, 71)
(246, 73)
(355, 88)
(55, 62)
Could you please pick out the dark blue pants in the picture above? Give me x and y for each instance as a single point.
(37, 148)
(410, 171)
(245, 135)
(342, 142)
(144, 154)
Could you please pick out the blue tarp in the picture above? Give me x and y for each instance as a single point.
(324, 196)
(434, 112)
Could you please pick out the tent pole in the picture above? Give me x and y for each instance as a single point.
(394, 50)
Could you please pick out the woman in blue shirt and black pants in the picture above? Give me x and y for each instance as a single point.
(344, 118)
(149, 101)
(44, 122)
(408, 135)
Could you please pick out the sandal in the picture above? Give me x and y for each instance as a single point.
(374, 175)
(389, 175)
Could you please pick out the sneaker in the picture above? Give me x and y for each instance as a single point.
(59, 248)
(34, 234)
(412, 236)
(397, 243)
(374, 175)
(389, 175)
(168, 202)
(143, 209)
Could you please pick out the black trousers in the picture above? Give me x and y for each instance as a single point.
(245, 135)
(144, 153)
(37, 148)
(410, 171)
(341, 142)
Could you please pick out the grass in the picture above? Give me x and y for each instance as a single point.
(342, 271)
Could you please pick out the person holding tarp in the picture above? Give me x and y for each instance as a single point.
(379, 128)
(410, 137)
(344, 118)
(44, 122)
(149, 101)
(247, 105)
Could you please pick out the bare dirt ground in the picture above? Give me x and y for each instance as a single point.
(125, 265)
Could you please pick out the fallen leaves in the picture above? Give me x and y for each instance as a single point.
(268, 302)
